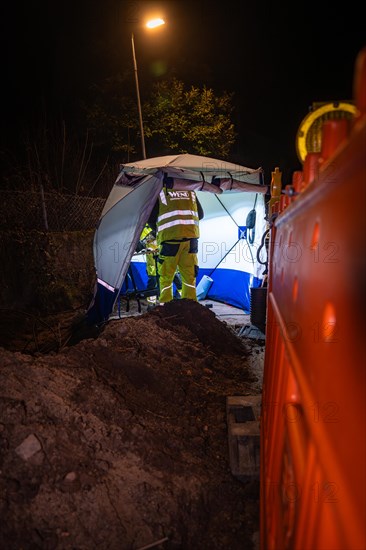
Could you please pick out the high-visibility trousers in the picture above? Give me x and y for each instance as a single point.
(150, 264)
(181, 255)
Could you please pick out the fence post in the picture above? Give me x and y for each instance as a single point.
(44, 211)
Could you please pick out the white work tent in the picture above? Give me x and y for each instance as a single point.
(227, 247)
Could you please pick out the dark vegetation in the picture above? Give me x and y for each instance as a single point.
(80, 153)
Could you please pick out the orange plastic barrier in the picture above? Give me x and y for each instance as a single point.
(313, 430)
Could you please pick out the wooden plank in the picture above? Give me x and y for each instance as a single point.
(243, 414)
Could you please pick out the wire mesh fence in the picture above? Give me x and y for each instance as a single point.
(51, 211)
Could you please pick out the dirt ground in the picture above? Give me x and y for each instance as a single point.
(119, 440)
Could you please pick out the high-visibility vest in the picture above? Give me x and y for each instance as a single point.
(178, 216)
(145, 232)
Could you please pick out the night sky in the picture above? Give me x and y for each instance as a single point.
(276, 60)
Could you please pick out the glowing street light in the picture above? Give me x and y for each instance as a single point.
(152, 24)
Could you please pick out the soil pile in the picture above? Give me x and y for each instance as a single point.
(120, 441)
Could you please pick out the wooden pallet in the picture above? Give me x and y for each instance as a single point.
(243, 413)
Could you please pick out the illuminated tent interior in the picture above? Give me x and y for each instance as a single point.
(232, 197)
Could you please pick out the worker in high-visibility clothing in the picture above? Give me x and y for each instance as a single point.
(176, 216)
(149, 245)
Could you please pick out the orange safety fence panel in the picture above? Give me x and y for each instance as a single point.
(313, 429)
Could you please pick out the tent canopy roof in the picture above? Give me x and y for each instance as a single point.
(197, 169)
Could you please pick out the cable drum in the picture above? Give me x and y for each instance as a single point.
(258, 307)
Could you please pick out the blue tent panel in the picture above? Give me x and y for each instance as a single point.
(102, 304)
(139, 275)
(230, 286)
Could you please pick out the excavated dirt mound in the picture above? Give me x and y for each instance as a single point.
(120, 441)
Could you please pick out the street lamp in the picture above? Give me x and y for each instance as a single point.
(153, 23)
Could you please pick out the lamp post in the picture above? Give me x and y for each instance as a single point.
(138, 98)
(150, 25)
